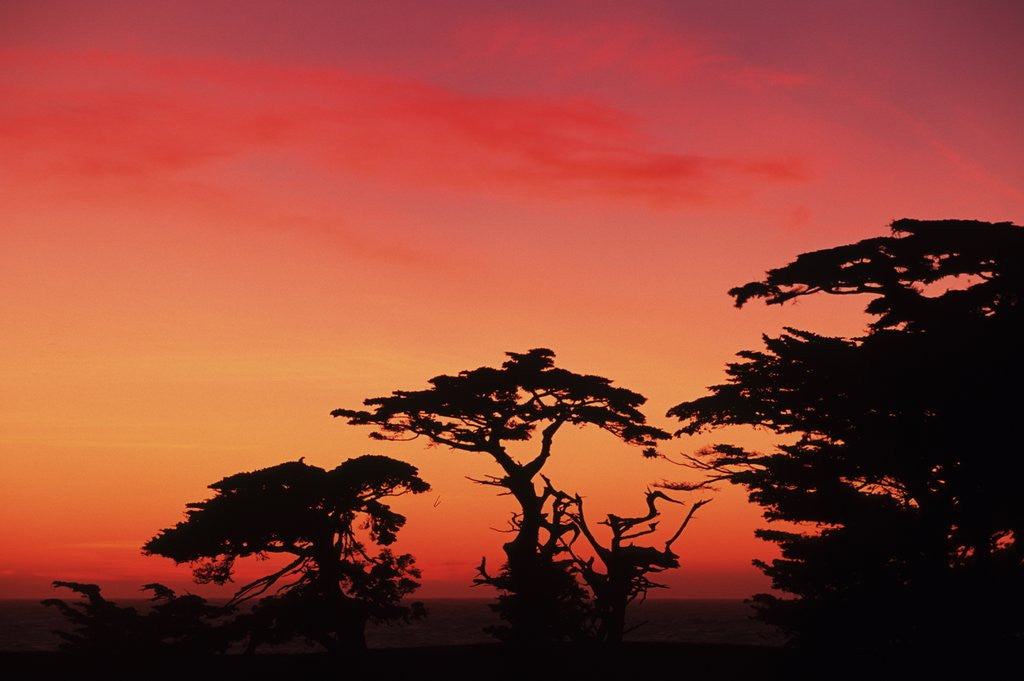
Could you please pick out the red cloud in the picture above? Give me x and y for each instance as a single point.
(102, 115)
(627, 48)
(564, 51)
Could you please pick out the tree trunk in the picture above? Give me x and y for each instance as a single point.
(542, 601)
(344, 618)
(349, 633)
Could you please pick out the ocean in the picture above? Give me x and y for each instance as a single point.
(28, 626)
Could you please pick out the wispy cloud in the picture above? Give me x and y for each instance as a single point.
(631, 48)
(109, 545)
(105, 115)
(587, 46)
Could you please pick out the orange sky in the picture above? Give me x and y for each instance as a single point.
(222, 220)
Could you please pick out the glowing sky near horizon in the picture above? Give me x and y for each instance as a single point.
(221, 220)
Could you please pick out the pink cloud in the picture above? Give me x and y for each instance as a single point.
(564, 51)
(99, 115)
(627, 48)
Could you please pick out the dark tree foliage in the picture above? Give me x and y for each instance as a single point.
(626, 566)
(905, 458)
(178, 625)
(483, 410)
(333, 584)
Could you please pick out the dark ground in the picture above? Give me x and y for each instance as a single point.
(488, 662)
(485, 661)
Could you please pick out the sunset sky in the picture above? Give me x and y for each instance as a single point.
(222, 220)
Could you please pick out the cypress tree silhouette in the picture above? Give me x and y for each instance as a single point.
(907, 466)
(177, 625)
(626, 565)
(481, 411)
(333, 584)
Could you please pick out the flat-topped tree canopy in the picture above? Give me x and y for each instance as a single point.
(477, 410)
(793, 384)
(288, 508)
(334, 583)
(897, 270)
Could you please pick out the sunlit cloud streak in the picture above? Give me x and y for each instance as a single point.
(101, 115)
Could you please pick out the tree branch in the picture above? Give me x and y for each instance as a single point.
(686, 521)
(547, 435)
(263, 583)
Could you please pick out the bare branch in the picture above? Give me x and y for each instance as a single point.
(260, 585)
(686, 521)
(547, 435)
(491, 480)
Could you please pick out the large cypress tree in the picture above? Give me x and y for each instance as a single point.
(327, 522)
(481, 411)
(902, 465)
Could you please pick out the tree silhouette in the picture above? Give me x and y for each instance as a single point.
(481, 411)
(906, 466)
(180, 625)
(626, 566)
(332, 584)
